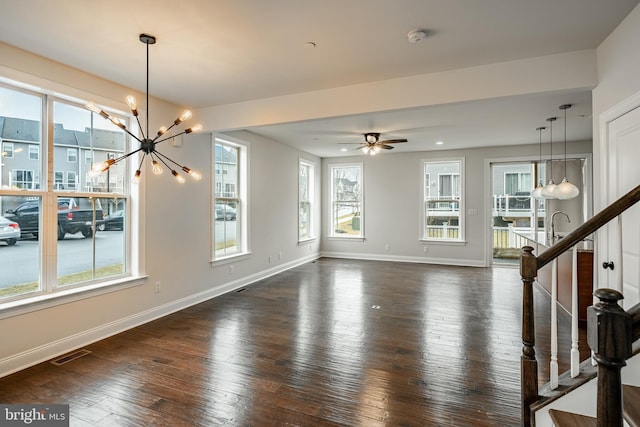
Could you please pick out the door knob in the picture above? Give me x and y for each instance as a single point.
(606, 265)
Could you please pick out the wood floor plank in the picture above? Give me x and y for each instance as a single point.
(329, 343)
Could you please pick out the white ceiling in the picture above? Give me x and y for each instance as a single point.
(214, 52)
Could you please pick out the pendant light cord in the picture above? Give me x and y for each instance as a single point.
(147, 135)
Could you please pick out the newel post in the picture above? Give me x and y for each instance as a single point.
(528, 363)
(609, 335)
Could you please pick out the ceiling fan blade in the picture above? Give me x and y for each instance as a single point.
(393, 141)
(360, 143)
(386, 147)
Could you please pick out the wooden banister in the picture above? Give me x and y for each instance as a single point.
(529, 266)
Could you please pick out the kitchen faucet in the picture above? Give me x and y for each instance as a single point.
(553, 217)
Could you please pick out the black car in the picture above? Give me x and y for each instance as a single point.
(114, 221)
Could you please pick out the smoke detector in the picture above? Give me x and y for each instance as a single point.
(416, 36)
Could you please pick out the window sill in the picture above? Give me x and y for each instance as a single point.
(347, 239)
(231, 258)
(306, 241)
(443, 242)
(44, 301)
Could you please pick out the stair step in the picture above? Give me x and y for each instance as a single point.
(631, 409)
(568, 419)
(631, 405)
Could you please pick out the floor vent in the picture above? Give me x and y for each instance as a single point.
(241, 290)
(69, 357)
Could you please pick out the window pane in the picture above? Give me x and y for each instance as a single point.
(305, 183)
(346, 208)
(20, 129)
(20, 217)
(227, 203)
(83, 254)
(94, 139)
(442, 200)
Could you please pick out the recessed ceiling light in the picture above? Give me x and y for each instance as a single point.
(439, 142)
(343, 149)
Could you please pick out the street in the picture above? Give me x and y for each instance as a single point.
(20, 263)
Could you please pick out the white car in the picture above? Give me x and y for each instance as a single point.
(9, 231)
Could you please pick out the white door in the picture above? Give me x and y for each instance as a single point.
(623, 175)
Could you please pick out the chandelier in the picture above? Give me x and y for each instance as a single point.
(147, 144)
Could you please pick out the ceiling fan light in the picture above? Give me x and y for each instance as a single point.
(566, 190)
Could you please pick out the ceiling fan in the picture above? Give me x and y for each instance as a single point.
(372, 144)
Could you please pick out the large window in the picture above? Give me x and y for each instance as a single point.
(305, 200)
(79, 248)
(443, 214)
(229, 199)
(346, 200)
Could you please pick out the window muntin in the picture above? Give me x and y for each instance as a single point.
(229, 199)
(72, 138)
(305, 200)
(346, 200)
(443, 214)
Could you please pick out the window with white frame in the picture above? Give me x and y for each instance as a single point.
(72, 155)
(93, 260)
(229, 198)
(87, 157)
(24, 179)
(305, 199)
(7, 150)
(34, 152)
(442, 213)
(346, 200)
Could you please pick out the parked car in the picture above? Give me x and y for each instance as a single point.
(225, 212)
(114, 221)
(9, 231)
(74, 215)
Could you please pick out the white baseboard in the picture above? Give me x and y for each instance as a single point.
(413, 259)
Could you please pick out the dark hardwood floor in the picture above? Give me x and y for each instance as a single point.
(329, 343)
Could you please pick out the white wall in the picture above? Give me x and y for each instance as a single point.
(392, 203)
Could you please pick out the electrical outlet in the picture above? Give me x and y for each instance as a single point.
(279, 255)
(269, 259)
(425, 249)
(157, 288)
(232, 269)
(387, 247)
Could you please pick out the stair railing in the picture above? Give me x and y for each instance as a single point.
(529, 266)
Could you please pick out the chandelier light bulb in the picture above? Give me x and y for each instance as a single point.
(131, 102)
(162, 130)
(156, 168)
(92, 107)
(136, 177)
(192, 173)
(178, 177)
(196, 128)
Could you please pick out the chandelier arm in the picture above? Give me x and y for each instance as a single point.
(168, 137)
(164, 133)
(126, 155)
(168, 158)
(140, 127)
(160, 158)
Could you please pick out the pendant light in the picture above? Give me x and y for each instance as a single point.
(547, 190)
(565, 190)
(537, 192)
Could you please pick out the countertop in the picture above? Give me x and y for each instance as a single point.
(541, 238)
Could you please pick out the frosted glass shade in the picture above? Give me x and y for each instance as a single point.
(565, 190)
(547, 190)
(537, 192)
